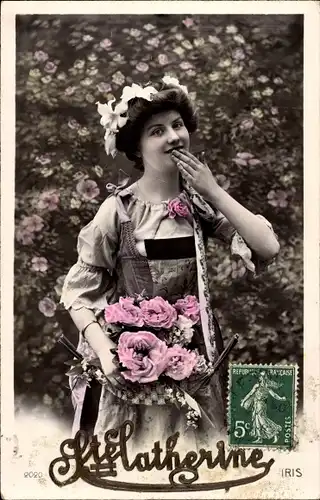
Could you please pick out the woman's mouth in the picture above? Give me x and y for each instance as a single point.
(174, 149)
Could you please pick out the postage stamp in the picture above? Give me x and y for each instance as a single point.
(262, 405)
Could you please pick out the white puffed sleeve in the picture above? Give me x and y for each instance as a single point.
(91, 280)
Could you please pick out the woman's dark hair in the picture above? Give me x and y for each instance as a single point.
(140, 110)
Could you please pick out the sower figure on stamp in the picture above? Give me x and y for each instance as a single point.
(256, 401)
(146, 244)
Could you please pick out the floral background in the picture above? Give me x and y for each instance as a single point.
(245, 74)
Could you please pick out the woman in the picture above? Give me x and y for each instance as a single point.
(147, 238)
(256, 400)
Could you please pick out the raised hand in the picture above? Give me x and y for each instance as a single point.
(196, 173)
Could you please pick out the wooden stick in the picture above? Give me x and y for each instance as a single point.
(68, 345)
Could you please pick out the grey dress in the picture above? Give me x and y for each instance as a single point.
(132, 246)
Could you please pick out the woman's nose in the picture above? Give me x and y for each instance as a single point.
(172, 136)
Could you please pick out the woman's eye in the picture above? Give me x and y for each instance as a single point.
(178, 124)
(157, 131)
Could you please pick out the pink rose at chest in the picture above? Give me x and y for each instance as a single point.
(189, 307)
(158, 313)
(124, 312)
(179, 362)
(143, 354)
(177, 207)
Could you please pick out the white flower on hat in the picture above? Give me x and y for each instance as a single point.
(110, 142)
(170, 80)
(135, 90)
(110, 118)
(112, 121)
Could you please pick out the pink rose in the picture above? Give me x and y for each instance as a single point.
(143, 354)
(41, 56)
(48, 200)
(24, 236)
(188, 21)
(88, 189)
(158, 313)
(180, 362)
(47, 307)
(177, 207)
(39, 264)
(124, 312)
(189, 307)
(104, 87)
(50, 67)
(33, 223)
(105, 43)
(278, 198)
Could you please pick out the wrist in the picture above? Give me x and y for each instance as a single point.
(105, 346)
(214, 194)
(98, 339)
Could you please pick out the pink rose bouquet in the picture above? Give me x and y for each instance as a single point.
(180, 362)
(135, 324)
(143, 354)
(158, 313)
(189, 307)
(124, 312)
(176, 207)
(151, 337)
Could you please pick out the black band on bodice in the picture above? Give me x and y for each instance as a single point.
(170, 248)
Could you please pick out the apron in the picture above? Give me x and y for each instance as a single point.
(170, 270)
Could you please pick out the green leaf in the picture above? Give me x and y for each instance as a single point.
(191, 402)
(76, 370)
(71, 362)
(95, 362)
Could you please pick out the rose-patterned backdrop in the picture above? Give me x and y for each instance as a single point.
(245, 74)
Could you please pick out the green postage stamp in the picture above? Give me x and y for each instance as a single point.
(262, 405)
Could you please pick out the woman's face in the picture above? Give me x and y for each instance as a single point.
(161, 133)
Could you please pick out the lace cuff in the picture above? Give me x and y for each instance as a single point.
(252, 262)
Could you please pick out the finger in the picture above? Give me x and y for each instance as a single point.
(186, 167)
(191, 156)
(185, 155)
(182, 155)
(200, 161)
(186, 163)
(184, 172)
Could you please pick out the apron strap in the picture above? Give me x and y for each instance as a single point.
(206, 315)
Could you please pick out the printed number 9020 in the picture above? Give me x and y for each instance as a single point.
(33, 475)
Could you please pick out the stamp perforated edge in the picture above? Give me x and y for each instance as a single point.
(295, 439)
